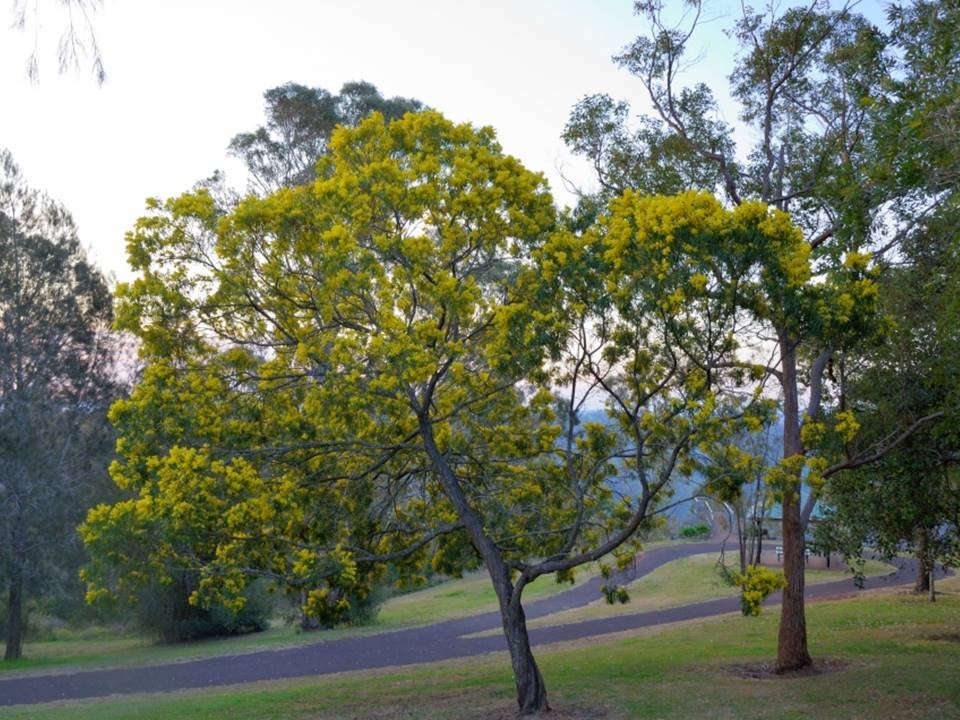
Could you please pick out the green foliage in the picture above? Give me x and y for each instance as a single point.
(911, 496)
(300, 123)
(692, 531)
(164, 610)
(615, 594)
(57, 378)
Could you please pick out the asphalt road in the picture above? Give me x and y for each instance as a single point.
(440, 641)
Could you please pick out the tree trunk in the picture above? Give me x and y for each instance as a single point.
(15, 623)
(792, 651)
(742, 541)
(531, 690)
(14, 620)
(922, 584)
(933, 592)
(759, 530)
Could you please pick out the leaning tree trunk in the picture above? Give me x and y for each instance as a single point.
(531, 690)
(15, 624)
(792, 651)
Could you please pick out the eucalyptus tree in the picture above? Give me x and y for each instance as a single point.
(56, 367)
(811, 83)
(300, 121)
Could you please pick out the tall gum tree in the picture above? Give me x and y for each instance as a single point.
(300, 120)
(809, 81)
(389, 364)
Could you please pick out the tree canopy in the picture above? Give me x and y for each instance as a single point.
(385, 356)
(814, 85)
(300, 122)
(390, 364)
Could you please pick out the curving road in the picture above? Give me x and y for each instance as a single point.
(440, 641)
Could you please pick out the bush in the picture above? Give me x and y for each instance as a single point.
(362, 611)
(692, 531)
(164, 609)
(755, 585)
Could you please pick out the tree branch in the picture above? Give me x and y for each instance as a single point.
(882, 448)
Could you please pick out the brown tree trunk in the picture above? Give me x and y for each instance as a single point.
(792, 651)
(15, 624)
(531, 690)
(933, 592)
(922, 584)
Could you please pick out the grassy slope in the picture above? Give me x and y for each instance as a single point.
(471, 595)
(681, 582)
(457, 598)
(891, 656)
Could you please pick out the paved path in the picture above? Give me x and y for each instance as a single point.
(440, 641)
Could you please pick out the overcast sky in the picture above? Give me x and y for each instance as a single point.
(184, 76)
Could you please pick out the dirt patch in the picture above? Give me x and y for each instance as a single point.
(766, 671)
(945, 637)
(567, 712)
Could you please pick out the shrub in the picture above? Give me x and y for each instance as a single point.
(692, 531)
(362, 611)
(755, 585)
(164, 609)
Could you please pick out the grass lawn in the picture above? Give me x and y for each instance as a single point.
(886, 654)
(459, 598)
(469, 595)
(681, 582)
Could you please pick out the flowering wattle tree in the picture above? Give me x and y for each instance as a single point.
(390, 364)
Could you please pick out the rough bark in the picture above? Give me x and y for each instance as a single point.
(922, 584)
(531, 690)
(792, 651)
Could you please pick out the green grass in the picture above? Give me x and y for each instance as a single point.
(469, 595)
(681, 582)
(890, 655)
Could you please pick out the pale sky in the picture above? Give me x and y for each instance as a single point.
(184, 76)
